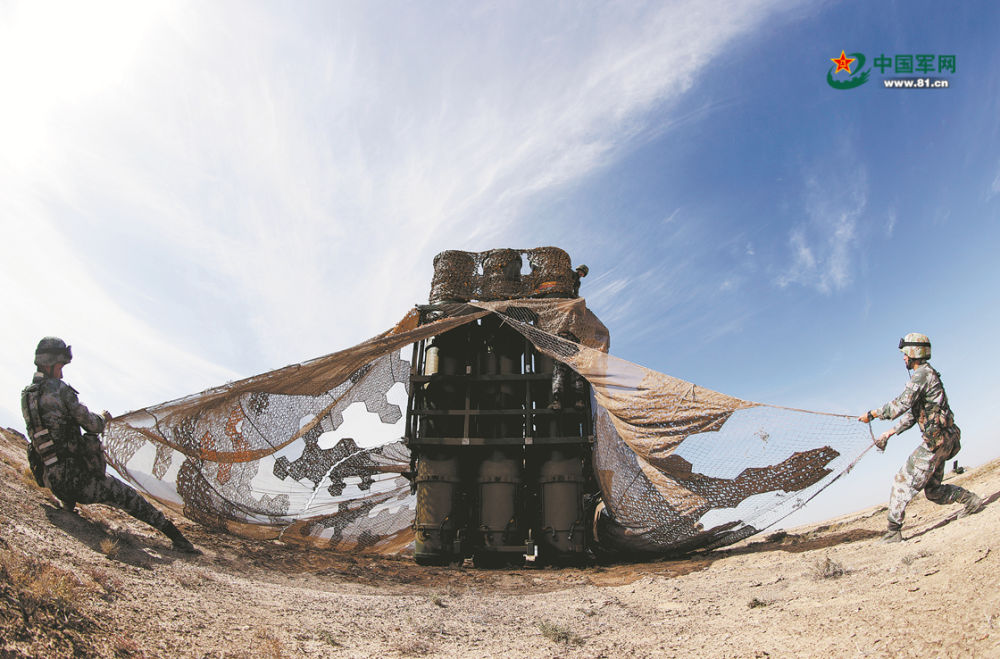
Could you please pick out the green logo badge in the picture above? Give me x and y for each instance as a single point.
(843, 63)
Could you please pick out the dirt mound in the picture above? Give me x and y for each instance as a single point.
(102, 584)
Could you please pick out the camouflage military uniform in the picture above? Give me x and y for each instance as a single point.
(925, 403)
(72, 466)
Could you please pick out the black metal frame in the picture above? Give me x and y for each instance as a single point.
(416, 406)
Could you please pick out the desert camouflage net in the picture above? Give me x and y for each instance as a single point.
(311, 453)
(681, 466)
(497, 275)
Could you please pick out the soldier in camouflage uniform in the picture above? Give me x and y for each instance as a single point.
(567, 383)
(578, 274)
(67, 462)
(925, 403)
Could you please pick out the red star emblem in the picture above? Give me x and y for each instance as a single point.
(843, 62)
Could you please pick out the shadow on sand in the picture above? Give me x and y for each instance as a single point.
(128, 548)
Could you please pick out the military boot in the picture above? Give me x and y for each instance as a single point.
(180, 543)
(891, 536)
(973, 505)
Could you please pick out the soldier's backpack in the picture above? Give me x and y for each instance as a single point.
(36, 466)
(43, 451)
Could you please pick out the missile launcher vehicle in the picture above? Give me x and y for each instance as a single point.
(500, 434)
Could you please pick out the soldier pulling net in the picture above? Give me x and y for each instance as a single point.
(312, 453)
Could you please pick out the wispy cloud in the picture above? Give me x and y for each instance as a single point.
(729, 284)
(250, 186)
(822, 245)
(673, 216)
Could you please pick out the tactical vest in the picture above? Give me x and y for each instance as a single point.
(932, 416)
(56, 445)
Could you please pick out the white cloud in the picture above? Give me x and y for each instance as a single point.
(890, 223)
(821, 245)
(609, 290)
(253, 186)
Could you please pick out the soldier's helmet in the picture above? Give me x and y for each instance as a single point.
(583, 270)
(915, 346)
(52, 350)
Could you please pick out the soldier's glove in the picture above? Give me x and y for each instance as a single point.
(867, 417)
(883, 440)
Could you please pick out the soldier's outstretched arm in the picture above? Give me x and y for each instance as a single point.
(87, 419)
(906, 421)
(901, 403)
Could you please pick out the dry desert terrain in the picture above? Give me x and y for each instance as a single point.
(102, 584)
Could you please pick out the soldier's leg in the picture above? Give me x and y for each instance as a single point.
(113, 492)
(64, 483)
(911, 479)
(944, 494)
(579, 390)
(560, 375)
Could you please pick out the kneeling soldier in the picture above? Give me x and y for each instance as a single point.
(70, 463)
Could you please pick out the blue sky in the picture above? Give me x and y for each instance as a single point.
(192, 193)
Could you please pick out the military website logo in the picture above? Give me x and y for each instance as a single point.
(843, 63)
(908, 71)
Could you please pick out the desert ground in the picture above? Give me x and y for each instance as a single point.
(101, 584)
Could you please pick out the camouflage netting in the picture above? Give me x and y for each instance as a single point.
(311, 453)
(681, 466)
(497, 275)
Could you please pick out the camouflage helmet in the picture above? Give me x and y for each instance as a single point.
(52, 350)
(583, 270)
(915, 346)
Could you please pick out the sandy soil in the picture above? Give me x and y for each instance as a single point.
(823, 590)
